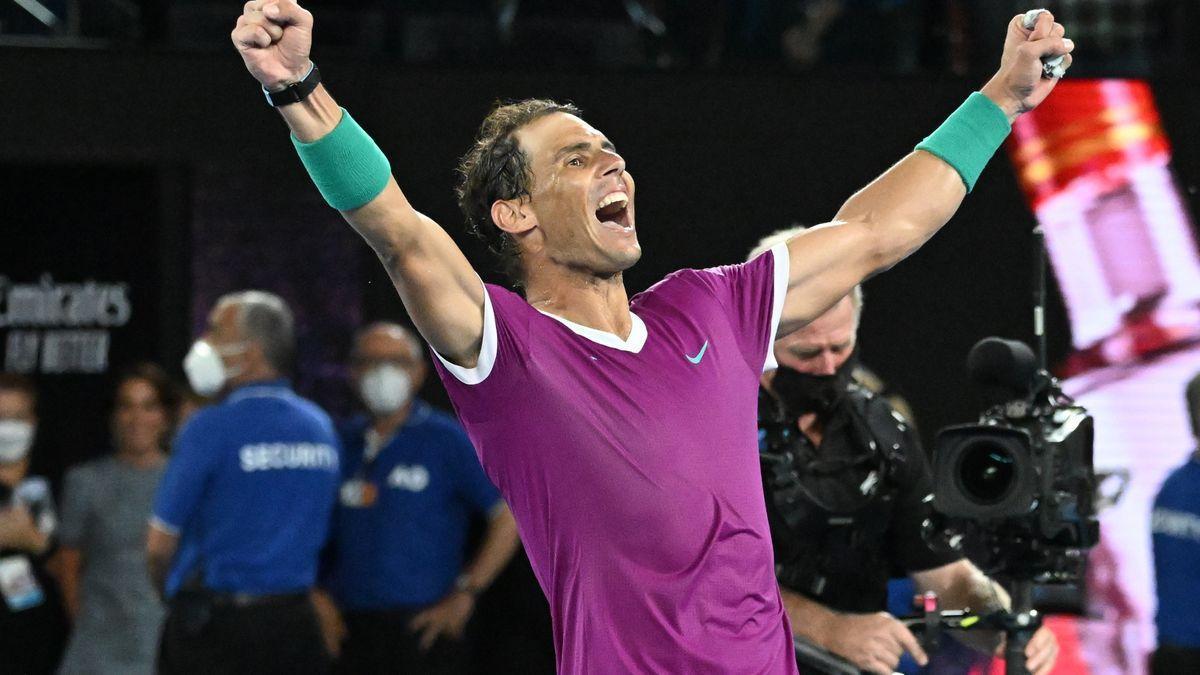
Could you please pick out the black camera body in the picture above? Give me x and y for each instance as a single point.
(1020, 485)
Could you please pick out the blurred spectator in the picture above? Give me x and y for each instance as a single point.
(106, 503)
(410, 482)
(33, 627)
(1176, 527)
(244, 506)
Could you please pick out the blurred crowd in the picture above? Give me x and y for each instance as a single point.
(1122, 37)
(246, 531)
(74, 577)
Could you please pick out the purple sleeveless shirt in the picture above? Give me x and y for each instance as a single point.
(631, 467)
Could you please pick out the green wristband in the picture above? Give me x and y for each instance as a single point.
(969, 137)
(346, 165)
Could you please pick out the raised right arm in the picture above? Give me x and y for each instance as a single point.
(438, 287)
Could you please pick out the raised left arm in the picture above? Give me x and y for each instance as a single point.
(876, 228)
(900, 210)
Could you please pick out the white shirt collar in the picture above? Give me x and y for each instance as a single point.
(632, 344)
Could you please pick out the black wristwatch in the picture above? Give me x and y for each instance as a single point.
(296, 91)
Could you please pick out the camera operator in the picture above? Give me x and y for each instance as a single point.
(1176, 528)
(845, 499)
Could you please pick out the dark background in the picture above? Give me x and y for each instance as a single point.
(169, 172)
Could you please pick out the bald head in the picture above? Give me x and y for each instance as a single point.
(386, 331)
(383, 343)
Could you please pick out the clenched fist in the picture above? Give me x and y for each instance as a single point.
(1019, 86)
(274, 38)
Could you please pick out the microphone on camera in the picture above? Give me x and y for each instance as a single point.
(1004, 365)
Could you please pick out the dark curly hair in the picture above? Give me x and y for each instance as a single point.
(497, 168)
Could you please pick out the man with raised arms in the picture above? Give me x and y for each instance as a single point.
(621, 431)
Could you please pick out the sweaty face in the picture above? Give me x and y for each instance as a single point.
(582, 197)
(823, 345)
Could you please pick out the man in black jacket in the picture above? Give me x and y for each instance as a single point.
(845, 480)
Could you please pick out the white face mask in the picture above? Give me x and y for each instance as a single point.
(16, 437)
(385, 389)
(205, 370)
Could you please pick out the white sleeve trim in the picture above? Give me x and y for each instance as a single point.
(487, 351)
(163, 526)
(783, 263)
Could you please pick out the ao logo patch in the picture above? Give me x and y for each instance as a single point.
(413, 478)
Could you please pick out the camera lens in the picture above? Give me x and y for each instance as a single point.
(986, 471)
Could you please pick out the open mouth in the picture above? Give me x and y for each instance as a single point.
(613, 211)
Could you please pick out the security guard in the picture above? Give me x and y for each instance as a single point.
(244, 507)
(410, 482)
(1175, 523)
(845, 481)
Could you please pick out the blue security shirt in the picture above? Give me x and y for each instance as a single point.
(1176, 527)
(405, 548)
(249, 491)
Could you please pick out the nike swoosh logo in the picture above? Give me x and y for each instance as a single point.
(696, 359)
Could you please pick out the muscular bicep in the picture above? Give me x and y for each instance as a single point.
(826, 262)
(441, 292)
(875, 228)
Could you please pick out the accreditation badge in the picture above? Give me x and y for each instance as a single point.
(18, 584)
(358, 494)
